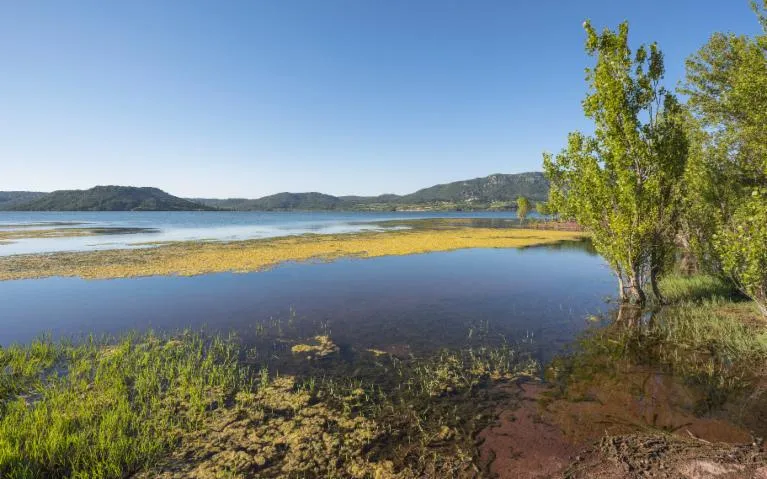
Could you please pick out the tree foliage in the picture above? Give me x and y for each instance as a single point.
(523, 207)
(726, 201)
(622, 183)
(543, 209)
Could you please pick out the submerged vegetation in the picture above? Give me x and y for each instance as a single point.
(196, 405)
(10, 235)
(678, 391)
(705, 351)
(192, 258)
(102, 410)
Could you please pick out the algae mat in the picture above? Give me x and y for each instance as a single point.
(194, 258)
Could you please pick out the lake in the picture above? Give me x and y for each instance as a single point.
(538, 299)
(161, 226)
(540, 295)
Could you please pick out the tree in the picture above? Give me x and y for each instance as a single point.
(726, 214)
(523, 207)
(621, 183)
(543, 209)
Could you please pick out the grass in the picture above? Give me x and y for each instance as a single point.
(677, 288)
(710, 342)
(106, 409)
(193, 258)
(717, 326)
(708, 328)
(193, 405)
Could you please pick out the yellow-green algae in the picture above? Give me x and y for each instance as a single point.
(45, 233)
(186, 406)
(194, 258)
(323, 347)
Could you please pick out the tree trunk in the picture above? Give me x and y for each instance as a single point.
(622, 289)
(688, 263)
(629, 315)
(655, 289)
(637, 293)
(761, 302)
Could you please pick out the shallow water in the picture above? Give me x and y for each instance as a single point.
(163, 226)
(540, 295)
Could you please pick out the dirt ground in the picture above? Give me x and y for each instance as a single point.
(544, 439)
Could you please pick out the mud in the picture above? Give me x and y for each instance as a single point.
(633, 428)
(523, 444)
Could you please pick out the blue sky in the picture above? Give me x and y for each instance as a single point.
(255, 97)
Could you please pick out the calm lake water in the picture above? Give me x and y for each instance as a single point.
(159, 226)
(541, 296)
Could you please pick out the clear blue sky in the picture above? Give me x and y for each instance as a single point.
(225, 98)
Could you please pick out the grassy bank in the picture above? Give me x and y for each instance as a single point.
(192, 258)
(701, 359)
(191, 405)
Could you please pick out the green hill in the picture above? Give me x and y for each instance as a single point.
(493, 188)
(279, 202)
(295, 201)
(110, 198)
(9, 199)
(494, 191)
(234, 204)
(499, 190)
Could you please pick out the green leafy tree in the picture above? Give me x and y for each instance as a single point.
(523, 207)
(726, 201)
(622, 183)
(543, 209)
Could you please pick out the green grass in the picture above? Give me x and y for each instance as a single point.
(708, 337)
(709, 328)
(98, 410)
(677, 288)
(195, 405)
(713, 326)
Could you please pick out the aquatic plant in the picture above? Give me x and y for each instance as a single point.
(155, 406)
(192, 258)
(98, 410)
(694, 357)
(323, 347)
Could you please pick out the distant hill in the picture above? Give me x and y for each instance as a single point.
(499, 190)
(110, 198)
(498, 187)
(279, 201)
(494, 191)
(9, 199)
(295, 201)
(220, 203)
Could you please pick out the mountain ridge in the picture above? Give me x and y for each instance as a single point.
(496, 191)
(476, 193)
(110, 198)
(9, 199)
